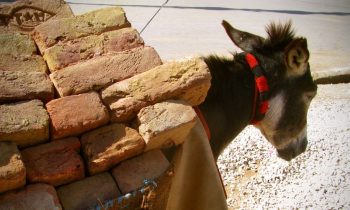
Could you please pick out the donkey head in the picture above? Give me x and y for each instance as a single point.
(285, 61)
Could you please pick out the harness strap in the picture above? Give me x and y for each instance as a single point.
(261, 89)
(203, 121)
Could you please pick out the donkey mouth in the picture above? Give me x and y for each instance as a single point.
(292, 150)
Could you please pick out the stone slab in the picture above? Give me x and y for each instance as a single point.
(187, 80)
(74, 115)
(54, 163)
(22, 63)
(12, 170)
(32, 197)
(25, 123)
(62, 55)
(92, 23)
(100, 72)
(107, 146)
(165, 124)
(14, 43)
(19, 86)
(131, 174)
(89, 192)
(24, 15)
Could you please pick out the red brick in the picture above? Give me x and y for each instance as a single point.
(25, 123)
(131, 174)
(166, 123)
(102, 71)
(54, 163)
(74, 115)
(105, 147)
(17, 85)
(65, 54)
(35, 196)
(186, 80)
(12, 170)
(24, 15)
(65, 29)
(87, 193)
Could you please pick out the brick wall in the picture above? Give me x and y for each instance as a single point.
(84, 118)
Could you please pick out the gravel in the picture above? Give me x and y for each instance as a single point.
(255, 178)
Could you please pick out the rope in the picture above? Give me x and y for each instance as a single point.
(155, 14)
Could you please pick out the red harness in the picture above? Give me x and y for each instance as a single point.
(261, 88)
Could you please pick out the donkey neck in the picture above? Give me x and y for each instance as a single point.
(229, 103)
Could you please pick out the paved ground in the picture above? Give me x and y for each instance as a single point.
(185, 28)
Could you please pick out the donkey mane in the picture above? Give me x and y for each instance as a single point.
(279, 36)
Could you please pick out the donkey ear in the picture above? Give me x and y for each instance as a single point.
(297, 57)
(244, 40)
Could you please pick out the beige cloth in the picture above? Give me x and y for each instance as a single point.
(196, 184)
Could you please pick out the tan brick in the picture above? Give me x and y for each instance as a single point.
(65, 29)
(166, 123)
(35, 196)
(54, 163)
(14, 43)
(22, 63)
(25, 123)
(187, 80)
(18, 85)
(100, 72)
(12, 170)
(105, 147)
(130, 174)
(89, 192)
(64, 54)
(24, 15)
(74, 115)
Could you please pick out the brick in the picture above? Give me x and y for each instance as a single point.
(102, 71)
(54, 163)
(165, 124)
(65, 29)
(89, 192)
(18, 85)
(130, 174)
(107, 146)
(12, 170)
(14, 43)
(186, 80)
(25, 123)
(35, 196)
(64, 54)
(24, 15)
(74, 115)
(22, 63)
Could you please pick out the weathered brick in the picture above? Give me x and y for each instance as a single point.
(14, 43)
(64, 54)
(166, 123)
(65, 29)
(22, 63)
(107, 146)
(130, 174)
(19, 85)
(54, 163)
(187, 80)
(89, 192)
(25, 123)
(74, 115)
(24, 15)
(35, 196)
(12, 170)
(102, 71)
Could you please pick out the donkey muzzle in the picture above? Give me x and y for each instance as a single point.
(293, 150)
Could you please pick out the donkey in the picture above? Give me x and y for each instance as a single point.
(269, 85)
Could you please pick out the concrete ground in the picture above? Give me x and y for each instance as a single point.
(185, 28)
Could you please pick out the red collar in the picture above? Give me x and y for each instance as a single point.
(203, 121)
(261, 89)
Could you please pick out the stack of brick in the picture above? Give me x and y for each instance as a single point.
(92, 126)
